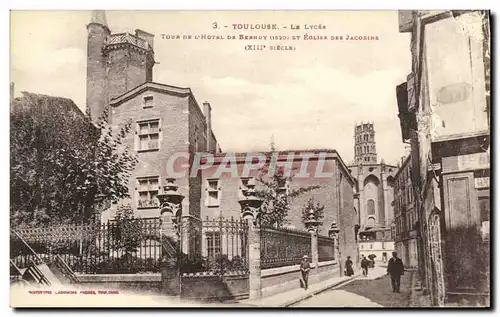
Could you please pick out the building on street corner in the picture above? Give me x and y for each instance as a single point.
(405, 216)
(445, 117)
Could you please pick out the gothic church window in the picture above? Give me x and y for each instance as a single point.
(371, 207)
(371, 221)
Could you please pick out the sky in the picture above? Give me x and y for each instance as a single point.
(307, 98)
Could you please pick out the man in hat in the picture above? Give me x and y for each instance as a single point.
(395, 269)
(304, 269)
(364, 265)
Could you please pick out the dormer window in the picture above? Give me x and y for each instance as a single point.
(148, 102)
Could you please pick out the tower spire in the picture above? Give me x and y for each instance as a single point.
(99, 17)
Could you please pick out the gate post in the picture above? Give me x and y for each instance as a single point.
(254, 278)
(171, 211)
(250, 210)
(312, 223)
(314, 254)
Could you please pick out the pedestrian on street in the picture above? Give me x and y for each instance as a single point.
(364, 265)
(348, 267)
(304, 269)
(395, 269)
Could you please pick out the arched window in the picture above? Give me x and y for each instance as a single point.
(371, 206)
(371, 221)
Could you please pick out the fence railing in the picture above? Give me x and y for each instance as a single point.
(212, 246)
(128, 38)
(113, 247)
(216, 246)
(283, 247)
(326, 248)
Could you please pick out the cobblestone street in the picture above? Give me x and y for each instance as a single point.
(364, 292)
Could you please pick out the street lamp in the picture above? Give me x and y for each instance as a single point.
(333, 232)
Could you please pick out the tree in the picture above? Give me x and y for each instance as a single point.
(63, 167)
(277, 194)
(126, 231)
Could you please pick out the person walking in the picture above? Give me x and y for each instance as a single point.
(395, 269)
(348, 267)
(364, 265)
(304, 269)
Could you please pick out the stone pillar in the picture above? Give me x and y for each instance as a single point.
(170, 275)
(254, 278)
(250, 210)
(314, 255)
(171, 210)
(387, 203)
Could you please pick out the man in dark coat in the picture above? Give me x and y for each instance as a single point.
(395, 269)
(304, 269)
(364, 265)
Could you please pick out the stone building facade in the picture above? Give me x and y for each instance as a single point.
(166, 120)
(445, 117)
(169, 125)
(375, 194)
(325, 169)
(405, 215)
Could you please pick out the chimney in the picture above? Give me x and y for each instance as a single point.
(207, 111)
(148, 37)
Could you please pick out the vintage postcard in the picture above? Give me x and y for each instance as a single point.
(250, 158)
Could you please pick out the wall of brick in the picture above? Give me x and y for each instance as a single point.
(327, 195)
(197, 127)
(96, 70)
(127, 68)
(348, 219)
(173, 114)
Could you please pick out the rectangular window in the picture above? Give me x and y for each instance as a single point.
(213, 192)
(213, 244)
(149, 135)
(283, 186)
(148, 102)
(147, 191)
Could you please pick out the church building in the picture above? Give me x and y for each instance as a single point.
(375, 194)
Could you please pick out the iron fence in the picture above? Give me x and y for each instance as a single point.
(214, 246)
(326, 248)
(283, 247)
(112, 247)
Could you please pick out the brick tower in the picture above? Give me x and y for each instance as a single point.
(116, 63)
(365, 150)
(98, 33)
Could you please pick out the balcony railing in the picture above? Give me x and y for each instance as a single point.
(128, 38)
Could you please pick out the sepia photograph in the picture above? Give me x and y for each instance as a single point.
(257, 159)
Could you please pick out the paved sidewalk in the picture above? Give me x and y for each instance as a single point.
(294, 296)
(375, 273)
